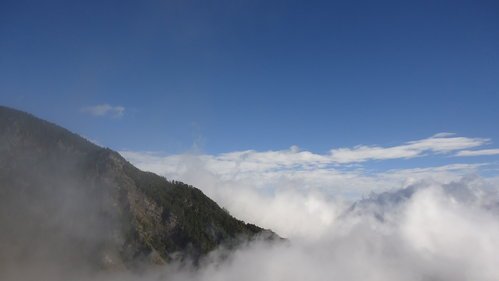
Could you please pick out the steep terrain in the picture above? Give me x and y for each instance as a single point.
(65, 201)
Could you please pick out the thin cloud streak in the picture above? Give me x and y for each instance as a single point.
(438, 144)
(482, 152)
(238, 163)
(102, 110)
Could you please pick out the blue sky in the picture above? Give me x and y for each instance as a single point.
(284, 112)
(225, 76)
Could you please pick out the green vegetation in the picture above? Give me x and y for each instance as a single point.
(202, 223)
(48, 173)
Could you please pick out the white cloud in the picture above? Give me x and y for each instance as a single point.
(295, 202)
(101, 110)
(439, 143)
(262, 187)
(481, 152)
(239, 164)
(447, 230)
(433, 234)
(436, 223)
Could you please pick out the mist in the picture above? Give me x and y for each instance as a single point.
(437, 226)
(415, 224)
(425, 232)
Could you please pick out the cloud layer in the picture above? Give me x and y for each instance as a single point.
(440, 144)
(426, 223)
(434, 234)
(428, 231)
(238, 163)
(297, 193)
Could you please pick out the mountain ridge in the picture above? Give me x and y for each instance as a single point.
(67, 200)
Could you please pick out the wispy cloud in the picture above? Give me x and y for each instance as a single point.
(101, 110)
(261, 173)
(482, 152)
(439, 143)
(239, 163)
(273, 178)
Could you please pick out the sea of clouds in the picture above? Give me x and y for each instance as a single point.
(436, 223)
(341, 219)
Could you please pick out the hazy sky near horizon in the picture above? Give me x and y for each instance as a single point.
(224, 76)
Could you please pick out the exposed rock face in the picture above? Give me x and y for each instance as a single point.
(64, 200)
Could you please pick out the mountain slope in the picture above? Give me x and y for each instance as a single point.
(65, 201)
